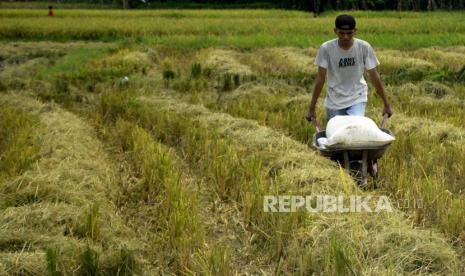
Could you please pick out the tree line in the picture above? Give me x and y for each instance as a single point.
(312, 5)
(316, 6)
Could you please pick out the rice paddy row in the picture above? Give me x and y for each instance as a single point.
(57, 214)
(232, 28)
(291, 167)
(270, 105)
(446, 166)
(237, 161)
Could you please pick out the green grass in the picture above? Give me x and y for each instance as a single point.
(242, 29)
(72, 62)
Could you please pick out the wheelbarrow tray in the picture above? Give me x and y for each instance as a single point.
(355, 153)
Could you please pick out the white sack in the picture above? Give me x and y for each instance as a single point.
(355, 131)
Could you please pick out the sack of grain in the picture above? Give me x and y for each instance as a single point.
(355, 132)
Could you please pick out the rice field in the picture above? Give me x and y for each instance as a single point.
(144, 143)
(230, 28)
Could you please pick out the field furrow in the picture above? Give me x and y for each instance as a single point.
(151, 142)
(292, 167)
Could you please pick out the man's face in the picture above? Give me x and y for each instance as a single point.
(345, 35)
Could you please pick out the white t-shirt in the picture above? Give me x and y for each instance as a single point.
(344, 72)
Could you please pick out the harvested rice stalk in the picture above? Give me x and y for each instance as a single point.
(64, 200)
(224, 62)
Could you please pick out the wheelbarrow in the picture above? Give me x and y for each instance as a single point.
(358, 161)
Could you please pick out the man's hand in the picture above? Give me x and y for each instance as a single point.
(387, 110)
(311, 114)
(375, 79)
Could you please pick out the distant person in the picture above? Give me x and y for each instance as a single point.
(50, 11)
(341, 63)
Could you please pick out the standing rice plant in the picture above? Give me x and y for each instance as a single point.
(18, 140)
(217, 261)
(90, 261)
(123, 263)
(432, 180)
(178, 229)
(250, 29)
(52, 261)
(91, 225)
(229, 126)
(338, 260)
(233, 175)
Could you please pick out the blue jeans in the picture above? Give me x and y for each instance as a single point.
(356, 109)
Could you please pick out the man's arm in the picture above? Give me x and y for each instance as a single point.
(375, 79)
(320, 81)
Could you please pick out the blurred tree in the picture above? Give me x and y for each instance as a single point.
(315, 6)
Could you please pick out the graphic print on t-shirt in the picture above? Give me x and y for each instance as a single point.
(345, 62)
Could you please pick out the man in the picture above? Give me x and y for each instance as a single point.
(342, 62)
(50, 11)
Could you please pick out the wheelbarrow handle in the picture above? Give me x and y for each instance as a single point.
(315, 124)
(385, 118)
